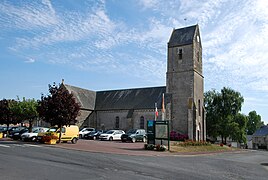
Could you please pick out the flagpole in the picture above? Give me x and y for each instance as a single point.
(163, 107)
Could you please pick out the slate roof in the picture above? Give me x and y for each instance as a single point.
(182, 36)
(140, 98)
(263, 131)
(85, 97)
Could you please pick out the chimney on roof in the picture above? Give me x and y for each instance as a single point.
(62, 81)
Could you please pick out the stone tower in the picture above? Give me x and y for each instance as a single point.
(185, 82)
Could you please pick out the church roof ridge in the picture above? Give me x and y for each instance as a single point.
(131, 89)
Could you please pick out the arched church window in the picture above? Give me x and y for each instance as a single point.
(179, 52)
(117, 122)
(142, 122)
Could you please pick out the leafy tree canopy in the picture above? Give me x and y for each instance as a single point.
(254, 122)
(27, 110)
(222, 110)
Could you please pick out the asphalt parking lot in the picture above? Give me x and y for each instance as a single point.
(112, 147)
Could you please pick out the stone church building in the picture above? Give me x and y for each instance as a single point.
(131, 108)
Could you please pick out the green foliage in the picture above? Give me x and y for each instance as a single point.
(254, 122)
(149, 146)
(238, 128)
(222, 110)
(26, 110)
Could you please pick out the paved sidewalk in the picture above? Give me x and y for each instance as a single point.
(113, 147)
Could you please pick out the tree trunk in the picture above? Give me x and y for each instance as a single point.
(30, 125)
(7, 130)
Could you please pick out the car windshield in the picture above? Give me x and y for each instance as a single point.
(36, 131)
(52, 130)
(132, 131)
(109, 132)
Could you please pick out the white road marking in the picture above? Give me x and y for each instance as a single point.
(32, 145)
(2, 145)
(19, 145)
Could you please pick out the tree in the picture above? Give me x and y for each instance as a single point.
(238, 128)
(59, 107)
(8, 112)
(212, 113)
(222, 108)
(27, 110)
(254, 122)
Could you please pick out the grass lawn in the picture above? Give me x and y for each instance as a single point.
(178, 147)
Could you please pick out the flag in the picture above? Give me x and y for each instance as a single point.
(156, 112)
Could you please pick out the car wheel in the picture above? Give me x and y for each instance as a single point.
(111, 138)
(33, 138)
(133, 140)
(144, 139)
(74, 140)
(80, 136)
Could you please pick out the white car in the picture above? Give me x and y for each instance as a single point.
(85, 131)
(112, 135)
(32, 136)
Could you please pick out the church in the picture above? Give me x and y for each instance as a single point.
(181, 101)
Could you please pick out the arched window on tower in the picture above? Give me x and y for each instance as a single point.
(142, 122)
(179, 52)
(117, 122)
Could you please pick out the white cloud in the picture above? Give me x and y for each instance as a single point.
(29, 16)
(30, 60)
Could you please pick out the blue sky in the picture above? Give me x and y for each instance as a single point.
(113, 44)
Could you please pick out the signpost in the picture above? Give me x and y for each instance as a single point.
(158, 130)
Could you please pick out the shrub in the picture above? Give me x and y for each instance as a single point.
(149, 146)
(174, 136)
(47, 137)
(195, 143)
(160, 147)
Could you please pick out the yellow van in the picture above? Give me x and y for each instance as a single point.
(68, 133)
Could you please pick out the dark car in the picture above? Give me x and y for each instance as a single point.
(134, 135)
(16, 135)
(10, 129)
(93, 134)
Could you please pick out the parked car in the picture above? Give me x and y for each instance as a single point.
(32, 136)
(93, 134)
(112, 135)
(68, 133)
(11, 129)
(134, 135)
(16, 135)
(85, 131)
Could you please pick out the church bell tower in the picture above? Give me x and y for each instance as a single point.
(185, 83)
